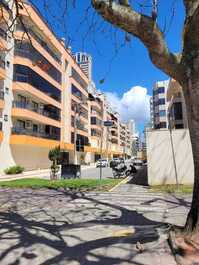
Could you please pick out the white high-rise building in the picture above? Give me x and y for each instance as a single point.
(85, 62)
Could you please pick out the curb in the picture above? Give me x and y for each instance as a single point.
(124, 181)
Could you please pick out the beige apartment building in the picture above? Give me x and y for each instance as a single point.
(169, 151)
(45, 102)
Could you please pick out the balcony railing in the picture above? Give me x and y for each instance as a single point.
(3, 34)
(22, 131)
(1, 95)
(23, 105)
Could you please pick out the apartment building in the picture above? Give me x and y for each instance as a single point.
(46, 100)
(84, 60)
(159, 104)
(125, 140)
(176, 108)
(41, 86)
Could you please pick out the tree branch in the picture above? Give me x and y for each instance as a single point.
(144, 28)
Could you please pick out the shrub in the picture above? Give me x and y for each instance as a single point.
(14, 170)
(54, 155)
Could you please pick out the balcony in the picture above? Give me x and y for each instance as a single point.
(22, 105)
(2, 69)
(21, 131)
(3, 39)
(1, 99)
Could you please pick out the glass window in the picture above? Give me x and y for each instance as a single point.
(162, 113)
(161, 101)
(27, 75)
(25, 49)
(178, 111)
(161, 90)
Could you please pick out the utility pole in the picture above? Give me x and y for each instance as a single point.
(172, 149)
(75, 134)
(101, 146)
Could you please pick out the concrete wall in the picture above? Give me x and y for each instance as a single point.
(30, 157)
(160, 161)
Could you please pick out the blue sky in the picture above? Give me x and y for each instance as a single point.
(131, 66)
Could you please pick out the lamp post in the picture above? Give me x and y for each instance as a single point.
(104, 124)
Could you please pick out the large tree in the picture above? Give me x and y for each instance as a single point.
(183, 67)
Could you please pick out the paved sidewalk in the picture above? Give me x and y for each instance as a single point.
(122, 227)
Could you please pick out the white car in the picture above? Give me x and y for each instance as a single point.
(102, 163)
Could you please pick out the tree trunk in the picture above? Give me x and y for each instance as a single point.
(191, 93)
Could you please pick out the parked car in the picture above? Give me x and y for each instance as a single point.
(102, 163)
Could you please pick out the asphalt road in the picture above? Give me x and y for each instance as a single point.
(94, 173)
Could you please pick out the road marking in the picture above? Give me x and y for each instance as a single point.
(124, 181)
(125, 232)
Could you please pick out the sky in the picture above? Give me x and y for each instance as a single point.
(125, 67)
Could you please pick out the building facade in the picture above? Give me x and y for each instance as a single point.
(177, 115)
(159, 105)
(46, 99)
(84, 60)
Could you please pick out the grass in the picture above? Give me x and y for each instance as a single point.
(184, 189)
(76, 184)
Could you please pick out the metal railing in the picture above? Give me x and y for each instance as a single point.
(22, 131)
(23, 105)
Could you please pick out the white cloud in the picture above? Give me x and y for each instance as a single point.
(134, 104)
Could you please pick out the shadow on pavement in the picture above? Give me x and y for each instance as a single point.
(140, 178)
(24, 237)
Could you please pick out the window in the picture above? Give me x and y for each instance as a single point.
(35, 128)
(24, 49)
(8, 64)
(162, 125)
(178, 111)
(162, 113)
(21, 124)
(5, 117)
(161, 101)
(161, 90)
(79, 79)
(7, 90)
(27, 75)
(93, 120)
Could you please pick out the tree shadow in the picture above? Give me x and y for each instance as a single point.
(21, 233)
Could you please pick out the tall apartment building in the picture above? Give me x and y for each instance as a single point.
(159, 112)
(45, 100)
(84, 60)
(41, 87)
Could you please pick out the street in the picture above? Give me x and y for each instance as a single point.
(48, 227)
(95, 173)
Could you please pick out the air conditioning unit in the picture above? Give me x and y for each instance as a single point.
(28, 125)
